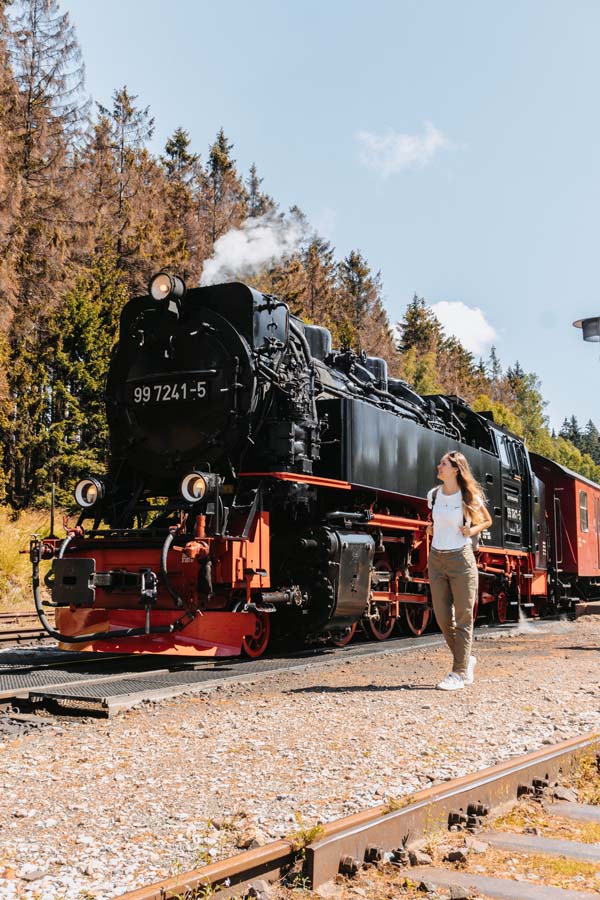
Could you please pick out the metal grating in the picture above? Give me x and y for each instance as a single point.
(22, 677)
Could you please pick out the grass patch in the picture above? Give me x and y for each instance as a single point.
(305, 834)
(557, 871)
(16, 529)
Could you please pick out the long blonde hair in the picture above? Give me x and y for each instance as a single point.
(473, 497)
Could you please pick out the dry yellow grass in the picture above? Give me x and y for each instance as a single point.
(16, 529)
(587, 779)
(529, 814)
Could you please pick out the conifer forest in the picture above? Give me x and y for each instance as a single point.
(88, 213)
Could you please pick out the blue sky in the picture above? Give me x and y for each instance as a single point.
(457, 145)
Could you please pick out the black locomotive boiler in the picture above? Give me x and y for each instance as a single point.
(260, 481)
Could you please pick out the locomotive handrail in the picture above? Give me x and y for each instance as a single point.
(378, 520)
(316, 480)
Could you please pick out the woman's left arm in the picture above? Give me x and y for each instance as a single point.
(481, 526)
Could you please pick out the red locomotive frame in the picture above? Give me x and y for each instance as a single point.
(509, 579)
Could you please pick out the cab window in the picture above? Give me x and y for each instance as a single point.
(504, 453)
(583, 511)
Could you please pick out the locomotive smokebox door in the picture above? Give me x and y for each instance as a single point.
(74, 582)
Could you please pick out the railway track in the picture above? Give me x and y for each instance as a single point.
(20, 626)
(387, 834)
(105, 685)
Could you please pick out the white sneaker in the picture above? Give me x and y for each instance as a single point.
(470, 676)
(452, 682)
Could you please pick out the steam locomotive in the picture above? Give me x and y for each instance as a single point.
(262, 484)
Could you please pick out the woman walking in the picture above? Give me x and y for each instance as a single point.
(459, 513)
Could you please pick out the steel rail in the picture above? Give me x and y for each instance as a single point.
(382, 827)
(11, 633)
(7, 615)
(17, 626)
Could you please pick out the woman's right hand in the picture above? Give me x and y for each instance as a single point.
(429, 529)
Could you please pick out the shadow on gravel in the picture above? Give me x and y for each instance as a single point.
(595, 649)
(355, 688)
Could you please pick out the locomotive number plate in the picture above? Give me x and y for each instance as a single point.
(175, 391)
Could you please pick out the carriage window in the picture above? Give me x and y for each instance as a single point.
(583, 510)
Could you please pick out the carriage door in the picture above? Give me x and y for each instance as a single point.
(558, 530)
(597, 526)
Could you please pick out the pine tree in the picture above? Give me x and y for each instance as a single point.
(84, 330)
(361, 305)
(49, 75)
(9, 192)
(225, 198)
(259, 203)
(529, 406)
(457, 369)
(320, 269)
(419, 328)
(4, 411)
(187, 245)
(28, 416)
(495, 375)
(571, 431)
(590, 441)
(133, 188)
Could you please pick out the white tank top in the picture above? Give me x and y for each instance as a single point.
(448, 518)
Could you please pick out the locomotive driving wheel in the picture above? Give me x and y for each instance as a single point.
(414, 618)
(343, 637)
(379, 622)
(254, 645)
(502, 608)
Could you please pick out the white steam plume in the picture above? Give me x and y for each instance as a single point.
(244, 251)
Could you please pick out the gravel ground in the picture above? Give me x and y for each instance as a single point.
(92, 808)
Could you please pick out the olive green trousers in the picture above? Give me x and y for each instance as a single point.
(454, 580)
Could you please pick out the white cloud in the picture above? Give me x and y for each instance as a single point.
(392, 152)
(244, 251)
(467, 323)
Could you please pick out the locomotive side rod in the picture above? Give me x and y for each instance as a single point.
(349, 840)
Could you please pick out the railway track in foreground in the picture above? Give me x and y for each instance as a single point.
(392, 833)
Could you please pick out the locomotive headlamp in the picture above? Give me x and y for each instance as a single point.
(193, 487)
(88, 491)
(590, 328)
(166, 287)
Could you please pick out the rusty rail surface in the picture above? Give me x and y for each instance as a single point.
(351, 838)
